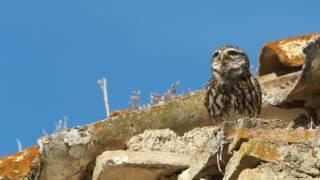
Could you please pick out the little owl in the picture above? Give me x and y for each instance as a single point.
(232, 92)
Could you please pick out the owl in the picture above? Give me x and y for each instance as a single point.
(311, 104)
(232, 92)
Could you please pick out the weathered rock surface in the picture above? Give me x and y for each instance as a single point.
(197, 140)
(162, 154)
(22, 165)
(172, 140)
(127, 165)
(256, 153)
(270, 171)
(197, 145)
(285, 55)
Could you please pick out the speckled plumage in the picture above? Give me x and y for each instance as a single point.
(232, 92)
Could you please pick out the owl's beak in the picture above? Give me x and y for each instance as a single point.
(223, 57)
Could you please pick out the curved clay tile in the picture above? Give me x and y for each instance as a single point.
(285, 55)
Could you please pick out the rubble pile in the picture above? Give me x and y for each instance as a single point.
(177, 140)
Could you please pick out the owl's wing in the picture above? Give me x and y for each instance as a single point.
(256, 94)
(206, 98)
(250, 96)
(209, 91)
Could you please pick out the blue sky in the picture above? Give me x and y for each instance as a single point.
(53, 52)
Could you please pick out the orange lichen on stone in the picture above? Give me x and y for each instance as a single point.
(99, 129)
(276, 135)
(260, 149)
(271, 135)
(123, 111)
(20, 164)
(300, 134)
(284, 54)
(266, 151)
(84, 128)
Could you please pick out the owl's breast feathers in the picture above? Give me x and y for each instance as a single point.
(228, 101)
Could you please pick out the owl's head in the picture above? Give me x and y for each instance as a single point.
(229, 63)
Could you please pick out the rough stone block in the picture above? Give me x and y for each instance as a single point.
(303, 157)
(22, 165)
(127, 165)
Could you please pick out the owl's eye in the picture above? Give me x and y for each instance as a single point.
(233, 53)
(215, 54)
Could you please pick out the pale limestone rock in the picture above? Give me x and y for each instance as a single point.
(127, 165)
(269, 171)
(194, 141)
